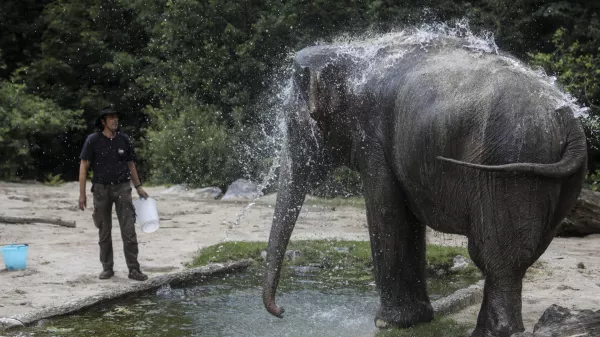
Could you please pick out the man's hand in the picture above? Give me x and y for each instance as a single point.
(142, 193)
(82, 201)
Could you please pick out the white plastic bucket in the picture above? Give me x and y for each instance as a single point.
(146, 214)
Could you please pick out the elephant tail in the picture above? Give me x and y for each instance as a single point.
(574, 157)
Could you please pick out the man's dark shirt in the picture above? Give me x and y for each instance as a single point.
(108, 157)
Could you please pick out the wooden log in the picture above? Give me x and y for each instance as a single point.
(26, 220)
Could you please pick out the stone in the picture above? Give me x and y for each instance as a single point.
(584, 218)
(343, 250)
(241, 189)
(459, 263)
(208, 192)
(9, 323)
(293, 254)
(558, 321)
(176, 189)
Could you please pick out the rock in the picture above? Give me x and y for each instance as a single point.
(580, 265)
(562, 322)
(241, 189)
(584, 218)
(176, 189)
(566, 287)
(263, 254)
(459, 263)
(184, 190)
(305, 270)
(208, 192)
(343, 250)
(8, 323)
(293, 254)
(523, 334)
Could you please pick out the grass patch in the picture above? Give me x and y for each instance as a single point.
(439, 327)
(348, 260)
(228, 251)
(357, 202)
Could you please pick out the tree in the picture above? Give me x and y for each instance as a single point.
(31, 130)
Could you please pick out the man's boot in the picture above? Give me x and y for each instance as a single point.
(106, 274)
(137, 275)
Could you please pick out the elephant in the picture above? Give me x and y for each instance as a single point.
(461, 139)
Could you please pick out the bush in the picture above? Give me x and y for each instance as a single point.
(189, 144)
(592, 181)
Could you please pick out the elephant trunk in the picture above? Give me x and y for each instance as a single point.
(292, 191)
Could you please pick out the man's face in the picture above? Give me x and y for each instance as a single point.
(112, 122)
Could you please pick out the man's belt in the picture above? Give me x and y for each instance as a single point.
(115, 183)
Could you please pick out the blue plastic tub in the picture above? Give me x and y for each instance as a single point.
(15, 256)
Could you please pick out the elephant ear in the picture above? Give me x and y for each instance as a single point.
(326, 93)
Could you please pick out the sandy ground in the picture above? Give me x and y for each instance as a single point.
(63, 262)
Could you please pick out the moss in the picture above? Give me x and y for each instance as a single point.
(439, 327)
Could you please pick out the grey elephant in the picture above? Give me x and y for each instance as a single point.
(446, 135)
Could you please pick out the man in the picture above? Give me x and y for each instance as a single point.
(111, 156)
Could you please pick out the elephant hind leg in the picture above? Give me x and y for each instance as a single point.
(500, 314)
(511, 226)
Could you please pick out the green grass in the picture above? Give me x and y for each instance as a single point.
(327, 254)
(357, 202)
(439, 327)
(228, 251)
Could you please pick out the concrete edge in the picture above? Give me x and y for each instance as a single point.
(459, 300)
(154, 283)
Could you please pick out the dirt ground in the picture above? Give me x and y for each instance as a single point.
(63, 262)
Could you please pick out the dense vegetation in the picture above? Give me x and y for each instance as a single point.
(192, 76)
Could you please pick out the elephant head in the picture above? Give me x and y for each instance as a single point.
(315, 143)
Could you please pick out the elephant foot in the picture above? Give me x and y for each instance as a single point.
(405, 316)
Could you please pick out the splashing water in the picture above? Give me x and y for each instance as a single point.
(389, 49)
(282, 95)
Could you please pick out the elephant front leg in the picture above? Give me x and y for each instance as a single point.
(398, 249)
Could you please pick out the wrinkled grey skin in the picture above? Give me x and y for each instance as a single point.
(464, 144)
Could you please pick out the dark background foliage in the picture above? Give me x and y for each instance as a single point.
(189, 76)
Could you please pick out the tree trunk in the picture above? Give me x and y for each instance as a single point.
(21, 220)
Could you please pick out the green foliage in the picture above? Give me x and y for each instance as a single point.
(20, 33)
(188, 143)
(592, 181)
(30, 130)
(439, 327)
(577, 67)
(53, 180)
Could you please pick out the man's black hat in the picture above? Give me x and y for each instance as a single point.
(105, 111)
